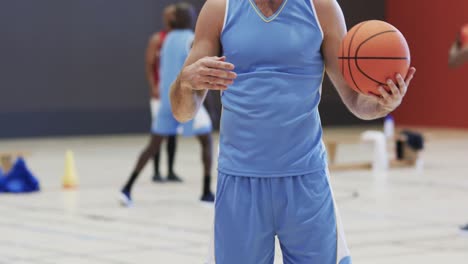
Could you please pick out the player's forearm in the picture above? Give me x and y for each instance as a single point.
(184, 100)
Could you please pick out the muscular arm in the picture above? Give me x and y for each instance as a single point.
(366, 107)
(202, 70)
(152, 60)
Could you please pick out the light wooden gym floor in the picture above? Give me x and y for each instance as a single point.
(405, 216)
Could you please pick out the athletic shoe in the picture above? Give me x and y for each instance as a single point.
(172, 177)
(157, 178)
(464, 229)
(125, 198)
(208, 197)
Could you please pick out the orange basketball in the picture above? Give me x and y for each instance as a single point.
(371, 53)
(464, 36)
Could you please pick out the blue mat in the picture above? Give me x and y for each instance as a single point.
(19, 179)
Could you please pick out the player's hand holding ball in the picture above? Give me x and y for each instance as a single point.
(375, 61)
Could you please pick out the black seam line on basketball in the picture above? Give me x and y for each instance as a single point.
(349, 55)
(357, 52)
(374, 58)
(342, 63)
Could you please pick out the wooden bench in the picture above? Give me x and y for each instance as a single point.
(332, 147)
(332, 143)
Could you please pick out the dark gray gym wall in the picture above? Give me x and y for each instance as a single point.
(77, 67)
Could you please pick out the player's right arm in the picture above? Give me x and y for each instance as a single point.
(151, 61)
(203, 70)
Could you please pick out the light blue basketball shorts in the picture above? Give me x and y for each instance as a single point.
(165, 124)
(299, 210)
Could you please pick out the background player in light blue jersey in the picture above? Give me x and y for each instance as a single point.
(273, 177)
(173, 54)
(152, 74)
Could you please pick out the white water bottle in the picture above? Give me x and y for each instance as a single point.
(389, 127)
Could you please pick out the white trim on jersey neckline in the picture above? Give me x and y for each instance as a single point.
(273, 16)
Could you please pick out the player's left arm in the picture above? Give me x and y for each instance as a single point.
(366, 107)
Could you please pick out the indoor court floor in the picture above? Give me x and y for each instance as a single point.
(401, 217)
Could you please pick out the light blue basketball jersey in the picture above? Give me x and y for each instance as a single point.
(174, 52)
(270, 125)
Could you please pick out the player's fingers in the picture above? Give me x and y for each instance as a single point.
(401, 84)
(395, 92)
(217, 64)
(410, 75)
(218, 73)
(383, 93)
(216, 80)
